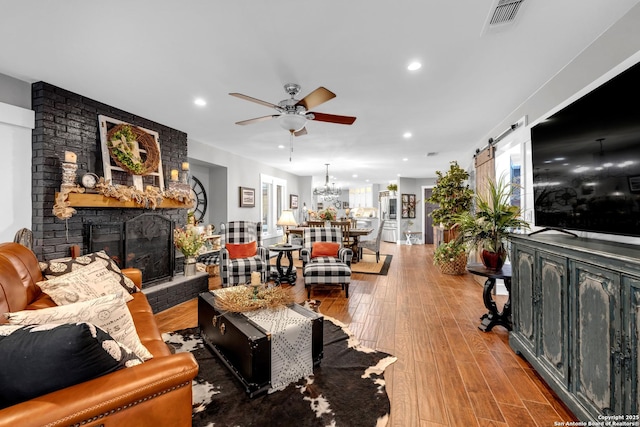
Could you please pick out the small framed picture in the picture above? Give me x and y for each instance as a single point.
(345, 205)
(247, 197)
(293, 201)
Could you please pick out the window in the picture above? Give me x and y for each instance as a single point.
(272, 202)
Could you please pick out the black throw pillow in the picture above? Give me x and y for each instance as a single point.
(39, 359)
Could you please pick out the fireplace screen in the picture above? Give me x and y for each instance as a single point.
(144, 242)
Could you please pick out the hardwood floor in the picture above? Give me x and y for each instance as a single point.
(448, 372)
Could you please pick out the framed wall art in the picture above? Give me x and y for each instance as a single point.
(247, 197)
(293, 201)
(408, 206)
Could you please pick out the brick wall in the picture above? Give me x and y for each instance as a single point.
(66, 121)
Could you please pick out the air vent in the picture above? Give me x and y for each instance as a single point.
(502, 14)
(505, 11)
(432, 153)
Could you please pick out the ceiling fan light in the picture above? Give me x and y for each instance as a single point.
(292, 122)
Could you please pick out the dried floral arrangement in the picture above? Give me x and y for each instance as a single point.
(239, 299)
(188, 240)
(150, 198)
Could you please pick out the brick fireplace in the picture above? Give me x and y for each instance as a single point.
(66, 121)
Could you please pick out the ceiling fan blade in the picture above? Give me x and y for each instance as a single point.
(257, 119)
(332, 118)
(316, 98)
(301, 132)
(257, 101)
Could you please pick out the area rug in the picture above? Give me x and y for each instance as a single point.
(346, 389)
(367, 265)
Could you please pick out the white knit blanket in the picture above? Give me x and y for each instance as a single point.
(290, 331)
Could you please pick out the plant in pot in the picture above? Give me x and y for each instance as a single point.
(451, 257)
(488, 227)
(392, 189)
(453, 196)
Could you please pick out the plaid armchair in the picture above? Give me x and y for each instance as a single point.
(325, 269)
(238, 271)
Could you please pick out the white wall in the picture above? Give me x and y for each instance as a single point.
(16, 124)
(615, 50)
(242, 172)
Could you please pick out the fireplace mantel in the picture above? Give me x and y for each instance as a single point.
(92, 200)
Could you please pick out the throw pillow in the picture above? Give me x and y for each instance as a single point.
(319, 249)
(62, 266)
(89, 282)
(39, 359)
(242, 250)
(109, 312)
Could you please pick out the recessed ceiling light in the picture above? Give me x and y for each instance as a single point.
(200, 102)
(354, 175)
(405, 159)
(414, 66)
(281, 146)
(407, 135)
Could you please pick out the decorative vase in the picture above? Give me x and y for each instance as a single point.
(327, 223)
(189, 266)
(493, 260)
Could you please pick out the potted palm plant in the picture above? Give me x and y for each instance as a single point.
(486, 229)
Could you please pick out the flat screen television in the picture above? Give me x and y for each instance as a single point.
(586, 161)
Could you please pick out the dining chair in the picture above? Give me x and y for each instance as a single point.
(345, 227)
(315, 223)
(372, 245)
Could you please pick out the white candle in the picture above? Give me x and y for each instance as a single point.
(185, 166)
(70, 157)
(174, 174)
(255, 278)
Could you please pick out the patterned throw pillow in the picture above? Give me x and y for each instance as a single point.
(39, 359)
(62, 266)
(109, 312)
(89, 282)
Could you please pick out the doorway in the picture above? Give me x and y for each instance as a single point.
(428, 221)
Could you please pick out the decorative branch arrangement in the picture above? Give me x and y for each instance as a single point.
(150, 198)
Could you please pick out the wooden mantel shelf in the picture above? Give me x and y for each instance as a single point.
(92, 200)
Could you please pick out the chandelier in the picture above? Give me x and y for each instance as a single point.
(328, 192)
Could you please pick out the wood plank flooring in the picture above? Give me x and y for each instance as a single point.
(448, 372)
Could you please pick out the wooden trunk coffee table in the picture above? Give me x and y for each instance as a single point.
(245, 347)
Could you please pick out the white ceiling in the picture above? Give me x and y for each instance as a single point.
(154, 57)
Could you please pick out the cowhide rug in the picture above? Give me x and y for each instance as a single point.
(347, 389)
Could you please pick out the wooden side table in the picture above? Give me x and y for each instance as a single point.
(493, 317)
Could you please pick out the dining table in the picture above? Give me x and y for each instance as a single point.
(356, 233)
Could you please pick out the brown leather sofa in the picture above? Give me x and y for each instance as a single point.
(154, 393)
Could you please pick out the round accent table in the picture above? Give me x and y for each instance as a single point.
(493, 317)
(290, 275)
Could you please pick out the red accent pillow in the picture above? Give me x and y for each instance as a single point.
(324, 249)
(242, 250)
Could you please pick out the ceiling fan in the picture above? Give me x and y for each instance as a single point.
(293, 113)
